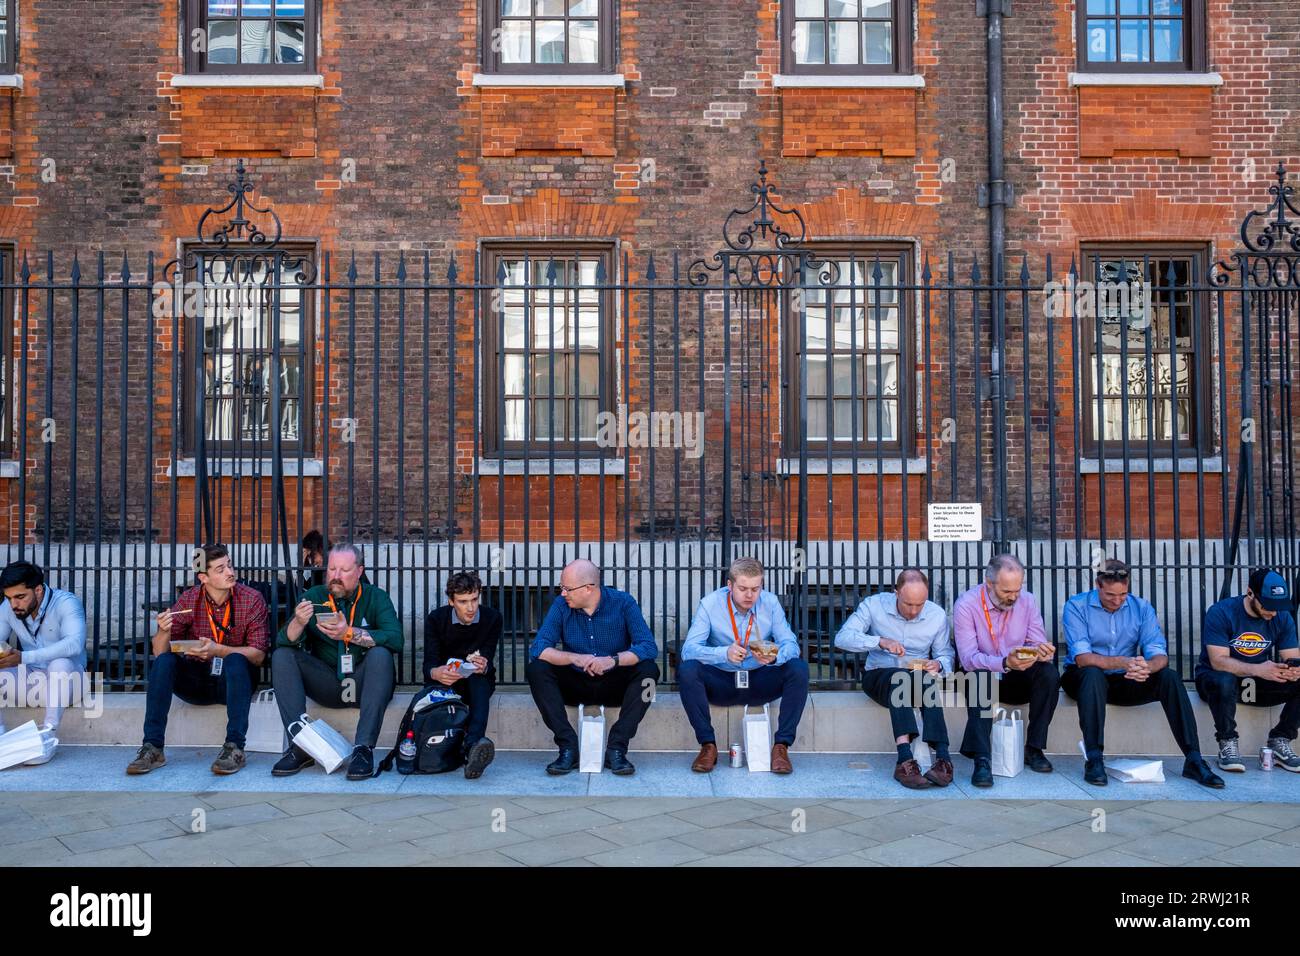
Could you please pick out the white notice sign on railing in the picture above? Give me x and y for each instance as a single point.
(956, 521)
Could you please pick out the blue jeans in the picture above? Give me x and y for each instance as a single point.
(701, 684)
(192, 681)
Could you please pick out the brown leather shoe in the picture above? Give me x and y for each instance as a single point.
(940, 773)
(707, 759)
(908, 773)
(781, 759)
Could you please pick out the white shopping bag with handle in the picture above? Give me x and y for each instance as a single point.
(325, 744)
(758, 739)
(21, 744)
(265, 730)
(922, 754)
(591, 740)
(1132, 771)
(1008, 743)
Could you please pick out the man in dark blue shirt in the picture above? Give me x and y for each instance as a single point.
(594, 647)
(1238, 642)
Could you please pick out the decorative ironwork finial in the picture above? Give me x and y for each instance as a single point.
(239, 228)
(763, 226)
(1280, 228)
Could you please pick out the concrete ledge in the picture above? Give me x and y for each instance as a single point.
(549, 79)
(865, 81)
(834, 722)
(247, 81)
(1146, 79)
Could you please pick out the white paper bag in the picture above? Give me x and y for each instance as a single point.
(591, 741)
(321, 741)
(265, 730)
(758, 739)
(1008, 744)
(1137, 771)
(922, 754)
(21, 744)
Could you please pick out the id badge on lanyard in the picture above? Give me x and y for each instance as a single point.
(217, 664)
(742, 680)
(742, 676)
(345, 663)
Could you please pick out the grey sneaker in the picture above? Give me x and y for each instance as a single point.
(1283, 755)
(230, 760)
(1230, 756)
(148, 758)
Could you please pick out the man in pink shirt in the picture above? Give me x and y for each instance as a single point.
(990, 622)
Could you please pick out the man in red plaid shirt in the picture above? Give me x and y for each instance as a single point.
(226, 625)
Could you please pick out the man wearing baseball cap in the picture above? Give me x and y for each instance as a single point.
(1240, 640)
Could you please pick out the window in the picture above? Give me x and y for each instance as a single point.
(250, 36)
(8, 38)
(1164, 347)
(1134, 36)
(549, 358)
(548, 36)
(234, 325)
(847, 36)
(856, 335)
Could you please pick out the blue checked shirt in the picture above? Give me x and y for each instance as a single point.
(1091, 629)
(616, 625)
(710, 634)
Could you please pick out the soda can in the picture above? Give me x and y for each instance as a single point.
(1265, 758)
(737, 755)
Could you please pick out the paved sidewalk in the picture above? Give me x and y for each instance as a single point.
(834, 810)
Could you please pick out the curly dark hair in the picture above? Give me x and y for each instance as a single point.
(463, 582)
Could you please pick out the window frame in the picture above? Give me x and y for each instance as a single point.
(196, 17)
(1200, 391)
(902, 45)
(1194, 43)
(493, 442)
(866, 253)
(193, 336)
(10, 45)
(607, 30)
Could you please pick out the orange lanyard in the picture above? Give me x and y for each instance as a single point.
(218, 633)
(997, 645)
(748, 627)
(347, 638)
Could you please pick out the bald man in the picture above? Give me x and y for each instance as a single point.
(594, 647)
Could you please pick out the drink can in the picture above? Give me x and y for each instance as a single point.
(1265, 758)
(737, 755)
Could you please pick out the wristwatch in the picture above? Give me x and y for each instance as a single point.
(614, 657)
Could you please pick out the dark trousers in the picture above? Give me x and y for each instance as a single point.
(476, 691)
(897, 689)
(1093, 688)
(1039, 686)
(556, 686)
(1222, 690)
(192, 681)
(700, 684)
(297, 675)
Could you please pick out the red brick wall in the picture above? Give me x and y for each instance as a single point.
(840, 122)
(1146, 121)
(540, 120)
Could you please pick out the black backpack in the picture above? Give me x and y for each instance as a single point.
(439, 731)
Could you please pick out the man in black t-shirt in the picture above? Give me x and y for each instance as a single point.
(465, 631)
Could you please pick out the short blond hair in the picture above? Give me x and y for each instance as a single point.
(745, 568)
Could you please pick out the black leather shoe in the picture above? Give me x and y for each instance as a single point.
(294, 759)
(983, 775)
(1036, 762)
(616, 760)
(362, 766)
(1200, 771)
(479, 756)
(566, 762)
(1094, 772)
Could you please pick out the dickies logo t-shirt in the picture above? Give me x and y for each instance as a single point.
(1250, 644)
(1248, 639)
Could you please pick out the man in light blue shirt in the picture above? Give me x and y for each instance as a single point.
(1116, 653)
(905, 636)
(740, 650)
(44, 635)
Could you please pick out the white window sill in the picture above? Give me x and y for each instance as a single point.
(1115, 466)
(549, 79)
(11, 81)
(544, 466)
(248, 80)
(1146, 79)
(865, 465)
(870, 81)
(10, 469)
(248, 467)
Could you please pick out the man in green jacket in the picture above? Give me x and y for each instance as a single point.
(339, 649)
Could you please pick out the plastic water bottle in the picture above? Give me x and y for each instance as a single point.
(406, 750)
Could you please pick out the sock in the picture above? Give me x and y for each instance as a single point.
(1094, 754)
(904, 753)
(941, 752)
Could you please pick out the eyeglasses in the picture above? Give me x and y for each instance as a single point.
(1120, 574)
(564, 590)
